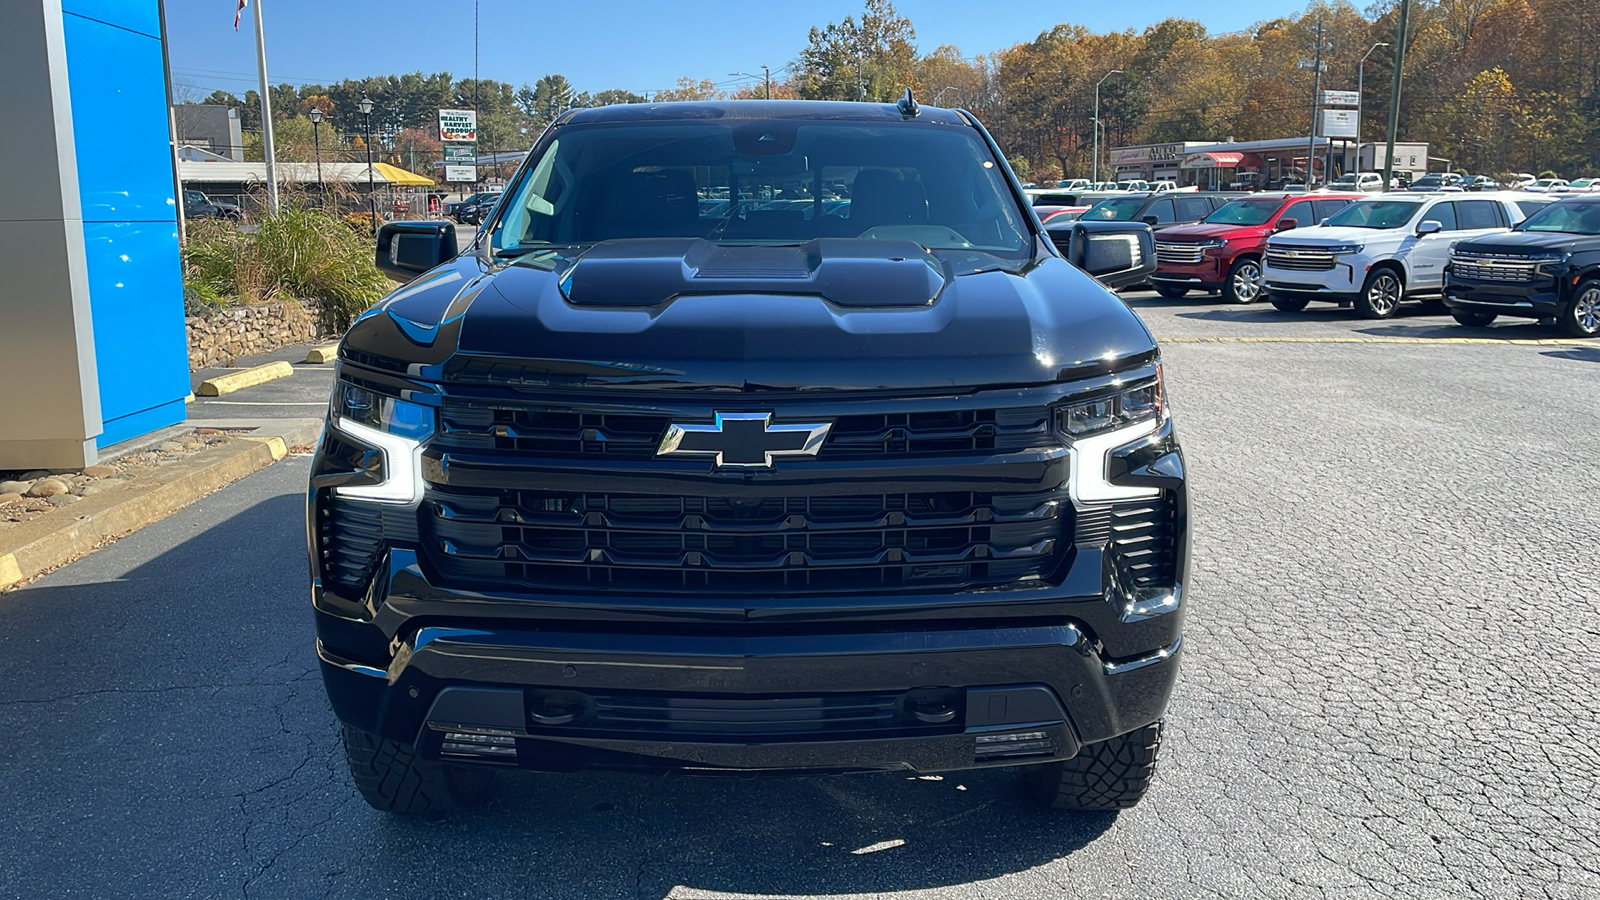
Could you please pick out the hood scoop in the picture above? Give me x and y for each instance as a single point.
(848, 272)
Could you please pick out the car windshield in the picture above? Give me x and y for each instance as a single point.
(784, 181)
(1244, 212)
(1374, 214)
(1121, 210)
(1568, 217)
(1429, 179)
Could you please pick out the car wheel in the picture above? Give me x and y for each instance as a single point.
(1582, 316)
(1171, 293)
(1104, 775)
(393, 778)
(1381, 295)
(1290, 304)
(1244, 282)
(1471, 319)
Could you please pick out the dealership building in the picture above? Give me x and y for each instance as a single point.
(1249, 165)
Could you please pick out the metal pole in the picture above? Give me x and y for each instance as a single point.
(1095, 168)
(172, 125)
(768, 73)
(316, 139)
(1361, 95)
(372, 188)
(1316, 89)
(267, 152)
(1394, 92)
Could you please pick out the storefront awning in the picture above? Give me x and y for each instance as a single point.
(1218, 160)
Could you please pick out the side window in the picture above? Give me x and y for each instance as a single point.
(1193, 209)
(1443, 213)
(1478, 214)
(1162, 210)
(1326, 208)
(1302, 212)
(1529, 207)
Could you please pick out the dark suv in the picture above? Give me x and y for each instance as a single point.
(637, 481)
(1548, 266)
(1158, 210)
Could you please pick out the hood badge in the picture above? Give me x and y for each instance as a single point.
(743, 440)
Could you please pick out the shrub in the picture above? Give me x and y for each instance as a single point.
(302, 254)
(1548, 174)
(361, 223)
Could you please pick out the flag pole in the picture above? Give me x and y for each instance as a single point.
(266, 117)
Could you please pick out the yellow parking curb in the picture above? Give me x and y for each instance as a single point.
(244, 378)
(320, 355)
(274, 445)
(10, 572)
(1527, 342)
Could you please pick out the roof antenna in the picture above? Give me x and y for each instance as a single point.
(908, 105)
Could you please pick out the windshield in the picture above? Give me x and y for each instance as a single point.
(1374, 214)
(1244, 212)
(773, 182)
(1568, 217)
(1122, 210)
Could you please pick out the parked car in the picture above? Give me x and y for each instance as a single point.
(1578, 186)
(1357, 181)
(1159, 186)
(1478, 183)
(1222, 253)
(1545, 185)
(456, 210)
(1519, 181)
(1159, 211)
(1434, 181)
(1133, 184)
(1380, 251)
(625, 486)
(1548, 266)
(1062, 214)
(196, 205)
(1075, 184)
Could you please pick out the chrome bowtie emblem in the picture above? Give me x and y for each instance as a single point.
(748, 440)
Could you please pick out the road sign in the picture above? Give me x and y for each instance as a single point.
(461, 153)
(1340, 123)
(458, 125)
(460, 173)
(1341, 98)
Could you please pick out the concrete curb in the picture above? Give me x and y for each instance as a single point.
(34, 548)
(244, 378)
(324, 354)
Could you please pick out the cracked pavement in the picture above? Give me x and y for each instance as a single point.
(1388, 686)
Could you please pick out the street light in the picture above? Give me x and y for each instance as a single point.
(1361, 78)
(372, 199)
(766, 78)
(1095, 176)
(942, 91)
(315, 115)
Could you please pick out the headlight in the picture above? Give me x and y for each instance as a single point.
(393, 426)
(1093, 429)
(1213, 244)
(1553, 263)
(1338, 249)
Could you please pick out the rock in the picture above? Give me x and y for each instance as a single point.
(208, 431)
(15, 487)
(100, 471)
(170, 447)
(90, 488)
(63, 500)
(9, 497)
(48, 487)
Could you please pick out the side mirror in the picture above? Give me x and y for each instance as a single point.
(1429, 226)
(1117, 254)
(407, 249)
(1150, 220)
(1286, 224)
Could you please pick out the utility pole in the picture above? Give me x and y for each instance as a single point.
(1095, 166)
(267, 152)
(767, 76)
(1316, 94)
(1361, 89)
(1394, 93)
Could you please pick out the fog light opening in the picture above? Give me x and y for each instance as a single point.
(1019, 743)
(463, 745)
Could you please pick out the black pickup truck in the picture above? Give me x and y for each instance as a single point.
(1547, 267)
(637, 480)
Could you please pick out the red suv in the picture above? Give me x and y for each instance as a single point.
(1223, 252)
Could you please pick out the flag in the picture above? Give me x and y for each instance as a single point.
(239, 12)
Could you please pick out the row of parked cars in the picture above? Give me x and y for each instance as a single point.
(1490, 254)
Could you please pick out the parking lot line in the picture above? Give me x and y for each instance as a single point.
(1546, 342)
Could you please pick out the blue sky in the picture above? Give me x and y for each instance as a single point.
(634, 44)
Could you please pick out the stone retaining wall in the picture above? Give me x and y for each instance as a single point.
(226, 335)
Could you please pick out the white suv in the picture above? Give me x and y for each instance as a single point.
(1379, 251)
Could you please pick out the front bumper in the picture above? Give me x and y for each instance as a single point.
(1534, 300)
(1341, 284)
(926, 697)
(1207, 275)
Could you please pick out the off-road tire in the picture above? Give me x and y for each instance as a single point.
(1472, 319)
(1105, 775)
(1171, 293)
(393, 778)
(1382, 294)
(1581, 318)
(1289, 304)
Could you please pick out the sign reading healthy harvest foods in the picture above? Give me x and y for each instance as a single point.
(458, 125)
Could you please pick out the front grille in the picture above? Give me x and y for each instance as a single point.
(351, 536)
(1179, 254)
(826, 716)
(567, 432)
(1299, 259)
(1489, 267)
(715, 544)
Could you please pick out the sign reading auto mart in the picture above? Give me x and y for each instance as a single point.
(458, 125)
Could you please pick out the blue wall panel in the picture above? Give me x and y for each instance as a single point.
(119, 119)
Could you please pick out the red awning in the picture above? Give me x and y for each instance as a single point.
(1221, 159)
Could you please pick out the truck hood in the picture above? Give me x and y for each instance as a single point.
(474, 320)
(1322, 235)
(1200, 231)
(1528, 242)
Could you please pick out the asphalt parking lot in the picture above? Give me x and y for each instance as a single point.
(1389, 687)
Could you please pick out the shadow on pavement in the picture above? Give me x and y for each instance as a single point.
(174, 720)
(1582, 354)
